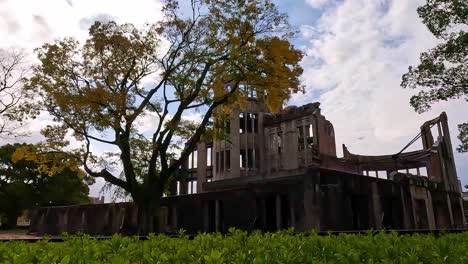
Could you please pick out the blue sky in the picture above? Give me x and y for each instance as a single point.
(356, 52)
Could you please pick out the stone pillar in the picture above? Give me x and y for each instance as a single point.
(312, 207)
(449, 160)
(201, 166)
(264, 215)
(175, 224)
(376, 206)
(413, 207)
(406, 220)
(449, 206)
(430, 210)
(279, 223)
(206, 216)
(217, 216)
(292, 211)
(462, 211)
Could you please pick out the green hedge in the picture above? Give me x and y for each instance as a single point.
(240, 247)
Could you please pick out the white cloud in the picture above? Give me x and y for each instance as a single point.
(317, 3)
(29, 23)
(357, 52)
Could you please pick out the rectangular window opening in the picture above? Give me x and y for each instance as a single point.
(382, 174)
(209, 158)
(423, 171)
(221, 161)
(228, 159)
(241, 123)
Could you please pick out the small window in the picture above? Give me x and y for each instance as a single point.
(243, 159)
(228, 159)
(382, 174)
(195, 159)
(372, 174)
(209, 158)
(241, 123)
(309, 133)
(423, 171)
(413, 171)
(300, 138)
(250, 158)
(194, 186)
(192, 160)
(222, 161)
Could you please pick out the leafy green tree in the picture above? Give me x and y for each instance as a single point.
(443, 70)
(22, 186)
(101, 89)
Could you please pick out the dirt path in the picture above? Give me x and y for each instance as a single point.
(21, 236)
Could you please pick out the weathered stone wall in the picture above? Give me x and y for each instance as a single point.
(317, 199)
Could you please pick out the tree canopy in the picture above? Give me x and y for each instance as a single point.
(23, 186)
(100, 90)
(443, 70)
(12, 73)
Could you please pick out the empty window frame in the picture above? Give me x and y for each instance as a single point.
(249, 90)
(192, 187)
(223, 160)
(305, 137)
(309, 134)
(423, 171)
(209, 156)
(242, 124)
(248, 158)
(228, 159)
(382, 174)
(276, 142)
(248, 123)
(192, 160)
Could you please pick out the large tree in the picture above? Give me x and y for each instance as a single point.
(12, 72)
(24, 185)
(101, 89)
(443, 70)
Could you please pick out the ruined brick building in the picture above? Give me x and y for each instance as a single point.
(280, 170)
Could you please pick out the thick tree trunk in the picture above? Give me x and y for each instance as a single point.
(148, 216)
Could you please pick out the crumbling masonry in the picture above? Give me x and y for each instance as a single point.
(280, 170)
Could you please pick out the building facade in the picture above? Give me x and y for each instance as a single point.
(281, 170)
(278, 170)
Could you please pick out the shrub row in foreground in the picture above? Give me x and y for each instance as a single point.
(240, 247)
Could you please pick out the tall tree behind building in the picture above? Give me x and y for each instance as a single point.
(121, 75)
(443, 70)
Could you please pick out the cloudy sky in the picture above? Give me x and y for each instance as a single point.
(356, 51)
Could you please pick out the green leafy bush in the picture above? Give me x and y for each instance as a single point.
(240, 247)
